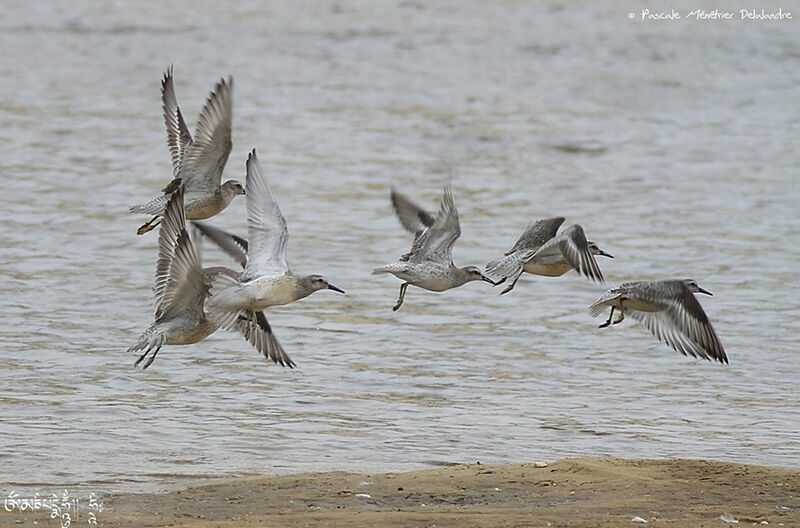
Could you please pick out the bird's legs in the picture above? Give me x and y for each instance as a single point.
(608, 322)
(141, 358)
(150, 360)
(402, 296)
(171, 187)
(149, 226)
(509, 288)
(621, 318)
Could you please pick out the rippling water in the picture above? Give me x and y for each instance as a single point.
(674, 144)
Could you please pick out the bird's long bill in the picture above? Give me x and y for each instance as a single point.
(706, 292)
(334, 288)
(604, 254)
(484, 278)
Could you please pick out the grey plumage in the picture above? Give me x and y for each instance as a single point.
(670, 311)
(259, 334)
(197, 162)
(178, 136)
(253, 326)
(412, 217)
(266, 279)
(429, 263)
(180, 291)
(536, 234)
(542, 250)
(534, 237)
(267, 232)
(234, 246)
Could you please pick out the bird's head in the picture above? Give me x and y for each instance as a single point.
(474, 273)
(233, 187)
(595, 249)
(694, 288)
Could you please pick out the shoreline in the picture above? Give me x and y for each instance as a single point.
(574, 492)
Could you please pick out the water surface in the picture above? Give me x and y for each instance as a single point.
(673, 143)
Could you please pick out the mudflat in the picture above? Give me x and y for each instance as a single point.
(567, 493)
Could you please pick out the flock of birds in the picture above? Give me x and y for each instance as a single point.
(192, 302)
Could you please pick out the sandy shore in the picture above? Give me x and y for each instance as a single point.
(569, 493)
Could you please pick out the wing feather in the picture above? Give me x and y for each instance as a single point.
(436, 242)
(537, 233)
(259, 334)
(574, 247)
(685, 327)
(180, 287)
(178, 136)
(267, 233)
(204, 160)
(235, 246)
(172, 223)
(413, 217)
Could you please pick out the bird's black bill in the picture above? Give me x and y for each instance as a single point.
(334, 288)
(705, 292)
(604, 254)
(484, 278)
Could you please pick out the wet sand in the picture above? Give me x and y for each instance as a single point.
(569, 493)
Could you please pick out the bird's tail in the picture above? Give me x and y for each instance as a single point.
(509, 265)
(602, 303)
(155, 206)
(391, 268)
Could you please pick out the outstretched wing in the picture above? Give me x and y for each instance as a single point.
(172, 223)
(202, 164)
(436, 242)
(685, 327)
(234, 246)
(574, 247)
(179, 286)
(178, 136)
(259, 334)
(536, 234)
(266, 228)
(413, 217)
